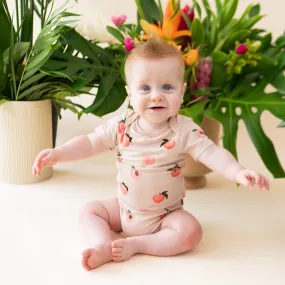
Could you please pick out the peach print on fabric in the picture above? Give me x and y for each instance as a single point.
(125, 140)
(168, 144)
(158, 198)
(199, 133)
(121, 126)
(149, 160)
(175, 171)
(135, 173)
(124, 188)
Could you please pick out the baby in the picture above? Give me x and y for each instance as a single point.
(152, 141)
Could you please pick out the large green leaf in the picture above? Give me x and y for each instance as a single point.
(19, 51)
(254, 11)
(86, 48)
(196, 112)
(106, 85)
(148, 10)
(116, 98)
(198, 33)
(251, 101)
(228, 11)
(116, 33)
(27, 25)
(42, 49)
(5, 24)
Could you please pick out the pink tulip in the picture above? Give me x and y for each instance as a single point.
(129, 43)
(118, 21)
(241, 49)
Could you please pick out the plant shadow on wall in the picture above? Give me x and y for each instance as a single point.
(59, 64)
(229, 65)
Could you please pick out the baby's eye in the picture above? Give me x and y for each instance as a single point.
(166, 87)
(145, 88)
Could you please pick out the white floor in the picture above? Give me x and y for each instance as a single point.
(244, 231)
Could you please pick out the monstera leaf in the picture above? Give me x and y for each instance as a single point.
(246, 102)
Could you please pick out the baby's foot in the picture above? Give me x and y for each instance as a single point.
(123, 249)
(95, 257)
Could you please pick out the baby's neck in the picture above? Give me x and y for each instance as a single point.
(150, 127)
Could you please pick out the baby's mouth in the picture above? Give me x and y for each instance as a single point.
(157, 108)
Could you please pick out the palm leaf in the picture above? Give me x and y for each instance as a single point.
(45, 44)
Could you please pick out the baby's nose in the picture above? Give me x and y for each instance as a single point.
(156, 97)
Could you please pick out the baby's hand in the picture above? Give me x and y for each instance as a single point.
(45, 158)
(250, 178)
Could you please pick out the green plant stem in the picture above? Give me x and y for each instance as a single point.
(66, 101)
(22, 10)
(45, 10)
(19, 86)
(193, 101)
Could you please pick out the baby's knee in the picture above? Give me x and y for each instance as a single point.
(92, 208)
(192, 236)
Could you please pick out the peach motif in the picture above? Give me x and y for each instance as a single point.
(158, 198)
(121, 126)
(125, 140)
(120, 159)
(129, 216)
(135, 173)
(124, 188)
(163, 215)
(149, 160)
(175, 171)
(168, 144)
(199, 133)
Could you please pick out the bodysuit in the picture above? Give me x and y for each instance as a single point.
(150, 182)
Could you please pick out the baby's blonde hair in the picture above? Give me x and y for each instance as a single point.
(154, 48)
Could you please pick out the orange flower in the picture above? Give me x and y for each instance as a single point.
(192, 57)
(169, 29)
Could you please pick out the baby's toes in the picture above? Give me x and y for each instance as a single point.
(118, 259)
(117, 250)
(118, 243)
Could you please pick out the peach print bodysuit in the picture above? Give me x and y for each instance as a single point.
(150, 183)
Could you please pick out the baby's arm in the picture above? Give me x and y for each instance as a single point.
(222, 161)
(77, 148)
(80, 147)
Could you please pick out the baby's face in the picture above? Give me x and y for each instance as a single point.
(155, 87)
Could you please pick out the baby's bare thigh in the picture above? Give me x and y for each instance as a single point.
(181, 220)
(109, 210)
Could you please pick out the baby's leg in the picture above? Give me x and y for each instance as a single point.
(179, 232)
(98, 219)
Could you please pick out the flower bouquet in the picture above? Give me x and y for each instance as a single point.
(229, 64)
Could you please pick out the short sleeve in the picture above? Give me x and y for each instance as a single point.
(194, 141)
(107, 132)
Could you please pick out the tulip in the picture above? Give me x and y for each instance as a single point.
(118, 21)
(189, 13)
(129, 43)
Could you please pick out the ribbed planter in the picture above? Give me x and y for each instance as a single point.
(194, 172)
(25, 130)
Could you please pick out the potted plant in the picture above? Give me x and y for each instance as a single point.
(48, 71)
(229, 64)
